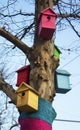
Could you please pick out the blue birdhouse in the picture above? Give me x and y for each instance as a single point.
(62, 81)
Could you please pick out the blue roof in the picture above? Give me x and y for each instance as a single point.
(64, 72)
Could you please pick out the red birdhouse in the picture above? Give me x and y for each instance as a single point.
(47, 23)
(23, 75)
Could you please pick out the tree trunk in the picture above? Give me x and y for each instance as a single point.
(41, 58)
(42, 69)
(43, 65)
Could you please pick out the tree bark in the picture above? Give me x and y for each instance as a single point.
(41, 59)
(8, 90)
(17, 42)
(42, 67)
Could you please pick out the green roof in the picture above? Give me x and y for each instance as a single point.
(57, 48)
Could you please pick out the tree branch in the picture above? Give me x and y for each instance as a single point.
(14, 126)
(16, 14)
(8, 90)
(68, 15)
(67, 3)
(26, 30)
(17, 42)
(73, 27)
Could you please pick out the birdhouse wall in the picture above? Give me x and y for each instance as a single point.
(47, 27)
(22, 99)
(62, 81)
(48, 21)
(33, 100)
(27, 101)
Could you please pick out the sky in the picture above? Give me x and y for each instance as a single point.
(67, 105)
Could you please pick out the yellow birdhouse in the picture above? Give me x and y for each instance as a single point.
(27, 98)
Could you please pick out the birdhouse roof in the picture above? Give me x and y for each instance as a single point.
(63, 72)
(24, 87)
(23, 68)
(47, 11)
(57, 48)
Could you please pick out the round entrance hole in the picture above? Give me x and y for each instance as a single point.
(23, 93)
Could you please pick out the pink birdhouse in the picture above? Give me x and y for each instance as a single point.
(47, 23)
(23, 75)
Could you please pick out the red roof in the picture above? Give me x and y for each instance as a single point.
(23, 68)
(48, 11)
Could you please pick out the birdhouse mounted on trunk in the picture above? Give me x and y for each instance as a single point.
(23, 75)
(56, 52)
(62, 81)
(27, 98)
(47, 23)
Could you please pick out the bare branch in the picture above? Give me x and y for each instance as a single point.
(68, 15)
(26, 30)
(73, 27)
(67, 3)
(17, 42)
(8, 4)
(16, 14)
(8, 90)
(14, 126)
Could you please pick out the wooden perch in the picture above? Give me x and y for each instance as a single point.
(8, 90)
(13, 39)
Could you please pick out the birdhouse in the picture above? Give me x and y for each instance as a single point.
(56, 52)
(62, 81)
(27, 98)
(47, 23)
(23, 75)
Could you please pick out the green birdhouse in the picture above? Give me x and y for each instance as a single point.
(56, 52)
(56, 57)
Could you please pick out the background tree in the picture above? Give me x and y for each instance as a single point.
(19, 25)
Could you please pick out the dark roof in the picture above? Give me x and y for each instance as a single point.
(57, 48)
(64, 72)
(23, 68)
